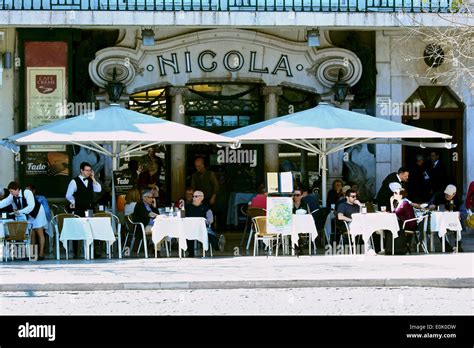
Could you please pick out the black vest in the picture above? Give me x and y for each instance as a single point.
(24, 203)
(84, 196)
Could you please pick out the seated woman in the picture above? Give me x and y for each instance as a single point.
(298, 202)
(405, 212)
(335, 193)
(260, 200)
(131, 200)
(198, 209)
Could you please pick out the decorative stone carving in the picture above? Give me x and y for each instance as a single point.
(329, 61)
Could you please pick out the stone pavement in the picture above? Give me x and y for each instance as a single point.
(433, 270)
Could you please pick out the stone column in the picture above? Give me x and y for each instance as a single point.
(271, 111)
(383, 61)
(178, 152)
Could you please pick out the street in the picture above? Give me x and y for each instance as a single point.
(301, 301)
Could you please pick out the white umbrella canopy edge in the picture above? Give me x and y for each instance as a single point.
(116, 124)
(318, 130)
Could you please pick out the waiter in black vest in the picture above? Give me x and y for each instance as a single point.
(80, 194)
(24, 203)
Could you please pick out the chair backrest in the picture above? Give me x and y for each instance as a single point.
(254, 212)
(392, 204)
(54, 209)
(58, 220)
(320, 215)
(260, 224)
(16, 230)
(115, 221)
(244, 208)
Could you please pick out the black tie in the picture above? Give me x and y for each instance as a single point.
(18, 202)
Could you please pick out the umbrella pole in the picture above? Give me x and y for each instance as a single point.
(324, 171)
(115, 160)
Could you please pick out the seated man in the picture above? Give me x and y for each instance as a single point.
(145, 212)
(349, 207)
(198, 209)
(345, 210)
(445, 198)
(188, 198)
(308, 199)
(450, 201)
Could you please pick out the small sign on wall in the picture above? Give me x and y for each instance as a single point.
(46, 93)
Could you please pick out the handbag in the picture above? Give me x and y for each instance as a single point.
(470, 221)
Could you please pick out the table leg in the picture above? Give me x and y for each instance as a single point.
(443, 244)
(431, 242)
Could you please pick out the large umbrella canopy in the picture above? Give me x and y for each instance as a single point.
(326, 129)
(114, 126)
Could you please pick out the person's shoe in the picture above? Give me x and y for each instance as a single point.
(221, 242)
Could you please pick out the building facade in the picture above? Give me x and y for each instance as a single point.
(220, 65)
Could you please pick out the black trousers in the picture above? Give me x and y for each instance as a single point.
(213, 241)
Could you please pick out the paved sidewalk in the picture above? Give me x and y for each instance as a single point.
(434, 270)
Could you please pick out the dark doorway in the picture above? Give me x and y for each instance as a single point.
(441, 111)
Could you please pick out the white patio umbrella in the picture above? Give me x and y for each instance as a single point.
(325, 129)
(114, 126)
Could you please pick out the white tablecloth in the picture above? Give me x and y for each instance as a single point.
(302, 224)
(446, 220)
(3, 231)
(233, 208)
(366, 224)
(87, 229)
(191, 228)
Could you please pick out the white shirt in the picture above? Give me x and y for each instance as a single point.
(72, 188)
(30, 202)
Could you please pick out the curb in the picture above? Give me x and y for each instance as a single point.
(246, 284)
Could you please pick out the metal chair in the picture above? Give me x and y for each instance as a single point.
(252, 213)
(320, 216)
(116, 227)
(349, 237)
(421, 237)
(57, 222)
(132, 229)
(133, 226)
(260, 225)
(17, 235)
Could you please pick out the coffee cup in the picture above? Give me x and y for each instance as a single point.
(101, 208)
(383, 209)
(4, 215)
